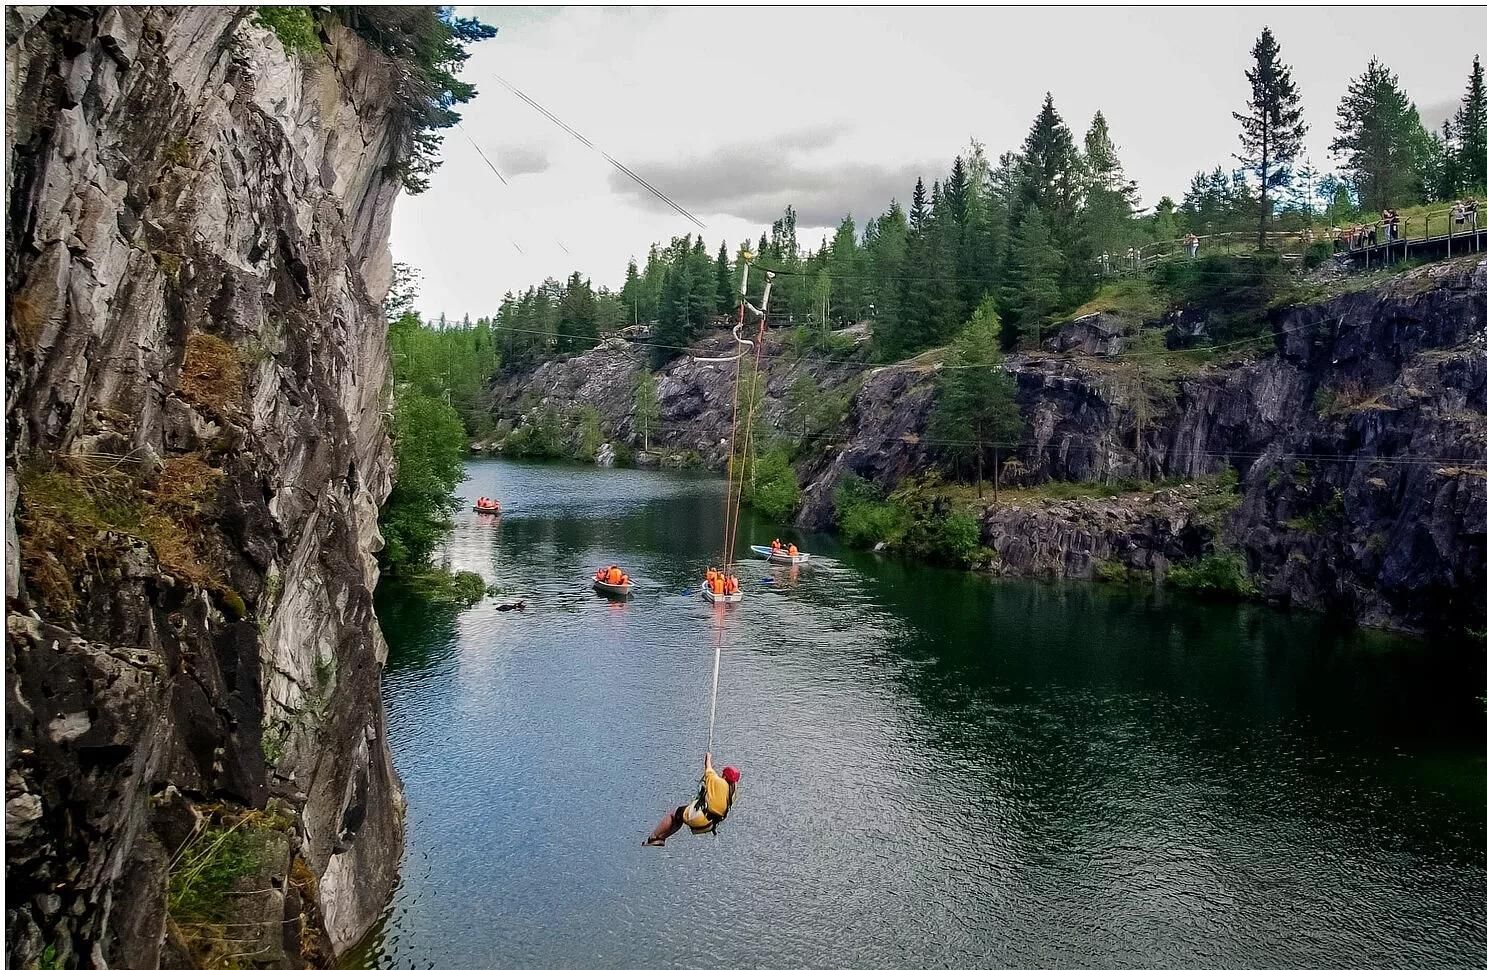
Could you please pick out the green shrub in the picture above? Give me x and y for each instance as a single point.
(294, 26)
(772, 488)
(863, 517)
(1220, 573)
(1110, 571)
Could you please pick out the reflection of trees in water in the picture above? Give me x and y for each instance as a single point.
(419, 633)
(1074, 698)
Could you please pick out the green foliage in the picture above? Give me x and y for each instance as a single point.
(1380, 139)
(1234, 293)
(578, 317)
(294, 26)
(647, 407)
(450, 362)
(208, 868)
(913, 520)
(1221, 573)
(434, 585)
(542, 437)
(772, 488)
(430, 45)
(1111, 571)
(977, 404)
(862, 515)
(590, 435)
(428, 446)
(1270, 127)
(1032, 294)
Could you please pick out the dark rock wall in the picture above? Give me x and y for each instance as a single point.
(196, 252)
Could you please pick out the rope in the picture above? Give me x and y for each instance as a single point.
(712, 715)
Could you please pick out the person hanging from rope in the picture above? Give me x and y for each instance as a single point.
(705, 812)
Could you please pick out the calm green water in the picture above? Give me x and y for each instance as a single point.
(938, 770)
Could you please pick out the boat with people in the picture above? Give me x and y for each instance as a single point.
(487, 505)
(613, 581)
(778, 552)
(721, 587)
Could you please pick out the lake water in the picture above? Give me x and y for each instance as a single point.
(938, 769)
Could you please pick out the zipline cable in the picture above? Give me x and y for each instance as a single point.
(621, 166)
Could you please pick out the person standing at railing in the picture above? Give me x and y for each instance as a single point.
(1471, 214)
(1458, 215)
(1191, 242)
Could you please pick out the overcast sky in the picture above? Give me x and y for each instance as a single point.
(734, 112)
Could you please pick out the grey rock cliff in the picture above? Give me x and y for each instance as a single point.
(196, 255)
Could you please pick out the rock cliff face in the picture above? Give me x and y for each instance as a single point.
(196, 253)
(1360, 442)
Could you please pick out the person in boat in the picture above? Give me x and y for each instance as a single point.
(776, 547)
(705, 812)
(730, 584)
(616, 576)
(794, 551)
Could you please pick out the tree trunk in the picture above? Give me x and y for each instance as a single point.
(995, 476)
(978, 470)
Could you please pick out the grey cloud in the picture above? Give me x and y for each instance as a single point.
(522, 161)
(755, 181)
(1431, 115)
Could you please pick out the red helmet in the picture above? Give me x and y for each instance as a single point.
(731, 775)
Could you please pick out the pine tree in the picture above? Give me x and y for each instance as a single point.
(673, 329)
(976, 409)
(1035, 266)
(723, 273)
(1270, 129)
(1380, 139)
(1470, 126)
(918, 210)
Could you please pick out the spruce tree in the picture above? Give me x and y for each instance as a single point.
(1105, 224)
(578, 326)
(1380, 140)
(1270, 128)
(631, 293)
(1035, 267)
(887, 256)
(1046, 176)
(976, 409)
(702, 298)
(723, 273)
(1470, 128)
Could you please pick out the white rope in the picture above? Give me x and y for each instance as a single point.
(712, 716)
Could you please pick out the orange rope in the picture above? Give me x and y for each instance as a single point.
(728, 505)
(748, 432)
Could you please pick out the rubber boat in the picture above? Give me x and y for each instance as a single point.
(781, 557)
(712, 597)
(492, 509)
(613, 589)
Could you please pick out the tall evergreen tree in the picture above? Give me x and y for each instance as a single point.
(1380, 140)
(887, 253)
(631, 293)
(723, 273)
(1270, 128)
(1034, 269)
(702, 300)
(1047, 175)
(578, 325)
(976, 409)
(1470, 127)
(1105, 222)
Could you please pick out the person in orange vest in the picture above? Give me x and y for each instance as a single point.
(732, 585)
(775, 545)
(616, 578)
(794, 551)
(705, 812)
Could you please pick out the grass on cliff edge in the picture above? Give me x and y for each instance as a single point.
(75, 517)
